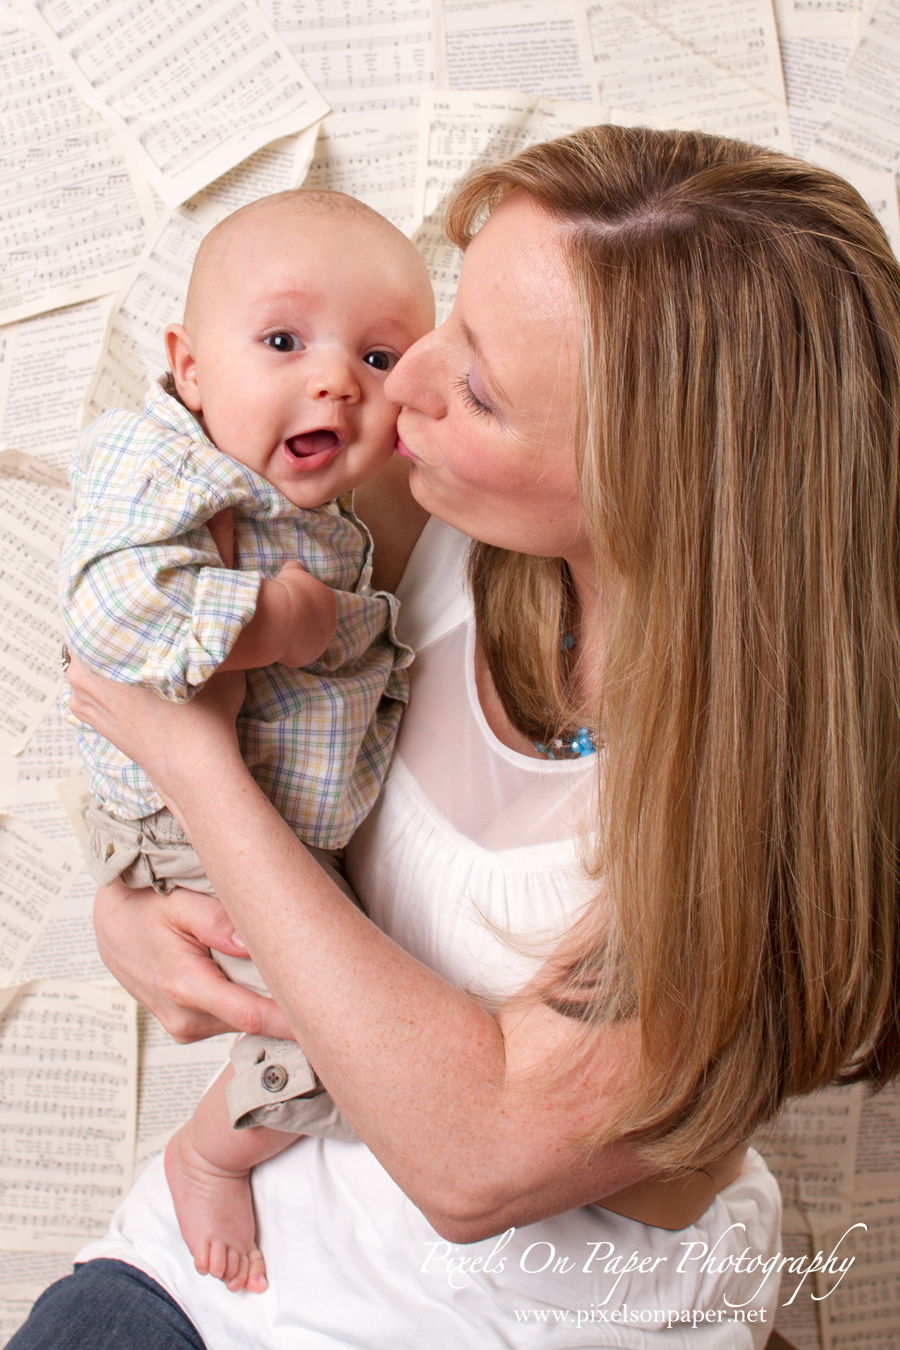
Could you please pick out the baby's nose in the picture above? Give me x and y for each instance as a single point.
(332, 376)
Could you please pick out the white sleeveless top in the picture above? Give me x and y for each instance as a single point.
(468, 861)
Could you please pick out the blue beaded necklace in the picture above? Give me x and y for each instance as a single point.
(581, 744)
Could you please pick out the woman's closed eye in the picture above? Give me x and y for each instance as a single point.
(471, 399)
(282, 342)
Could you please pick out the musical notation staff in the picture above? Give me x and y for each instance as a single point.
(71, 222)
(361, 48)
(190, 90)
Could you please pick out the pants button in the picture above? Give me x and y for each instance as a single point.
(274, 1077)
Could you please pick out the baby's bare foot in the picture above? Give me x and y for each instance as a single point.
(215, 1213)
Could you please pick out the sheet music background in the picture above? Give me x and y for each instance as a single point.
(115, 160)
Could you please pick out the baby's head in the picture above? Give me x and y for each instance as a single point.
(299, 306)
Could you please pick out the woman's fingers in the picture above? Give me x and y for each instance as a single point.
(146, 727)
(158, 948)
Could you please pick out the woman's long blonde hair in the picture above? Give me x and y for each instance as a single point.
(739, 433)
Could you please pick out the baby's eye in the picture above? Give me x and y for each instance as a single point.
(282, 342)
(380, 360)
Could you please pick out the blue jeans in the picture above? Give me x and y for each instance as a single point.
(106, 1305)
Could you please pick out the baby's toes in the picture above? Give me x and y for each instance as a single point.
(218, 1259)
(201, 1258)
(235, 1275)
(256, 1279)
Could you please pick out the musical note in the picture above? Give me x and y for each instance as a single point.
(190, 89)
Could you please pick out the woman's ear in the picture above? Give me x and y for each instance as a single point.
(183, 366)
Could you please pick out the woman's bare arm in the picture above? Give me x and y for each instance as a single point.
(431, 1081)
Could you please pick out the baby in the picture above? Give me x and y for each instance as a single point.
(298, 307)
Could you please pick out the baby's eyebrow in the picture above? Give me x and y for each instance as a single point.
(488, 379)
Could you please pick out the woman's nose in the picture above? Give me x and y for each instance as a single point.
(331, 376)
(416, 380)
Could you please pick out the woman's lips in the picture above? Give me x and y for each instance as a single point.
(403, 451)
(312, 449)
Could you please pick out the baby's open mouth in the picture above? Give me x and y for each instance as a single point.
(313, 443)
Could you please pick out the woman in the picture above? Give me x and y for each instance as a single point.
(667, 404)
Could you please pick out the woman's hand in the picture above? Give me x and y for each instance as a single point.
(192, 739)
(157, 946)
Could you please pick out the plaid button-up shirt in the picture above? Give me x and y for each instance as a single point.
(146, 600)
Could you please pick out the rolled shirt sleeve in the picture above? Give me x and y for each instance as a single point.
(146, 598)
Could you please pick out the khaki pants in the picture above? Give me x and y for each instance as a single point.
(274, 1083)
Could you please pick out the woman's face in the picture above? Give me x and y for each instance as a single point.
(488, 398)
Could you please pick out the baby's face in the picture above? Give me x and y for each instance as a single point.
(288, 339)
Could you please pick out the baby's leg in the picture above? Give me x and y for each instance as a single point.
(208, 1166)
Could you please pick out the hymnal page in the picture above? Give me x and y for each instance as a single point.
(33, 521)
(811, 1149)
(512, 44)
(35, 875)
(371, 156)
(813, 74)
(40, 805)
(71, 222)
(172, 1079)
(133, 353)
(864, 126)
(74, 796)
(18, 464)
(52, 751)
(67, 947)
(68, 1056)
(819, 18)
(859, 1305)
(362, 55)
(715, 66)
(46, 364)
(190, 90)
(878, 1144)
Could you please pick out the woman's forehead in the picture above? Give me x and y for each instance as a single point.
(516, 303)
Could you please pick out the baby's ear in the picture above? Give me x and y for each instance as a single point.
(183, 366)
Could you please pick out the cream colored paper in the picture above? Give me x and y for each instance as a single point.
(172, 1080)
(32, 523)
(863, 129)
(36, 873)
(714, 66)
(512, 44)
(819, 18)
(362, 57)
(190, 91)
(17, 464)
(68, 946)
(52, 751)
(67, 1113)
(45, 365)
(371, 156)
(813, 74)
(72, 222)
(859, 1308)
(74, 795)
(811, 1148)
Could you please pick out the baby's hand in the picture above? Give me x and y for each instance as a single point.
(313, 615)
(295, 619)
